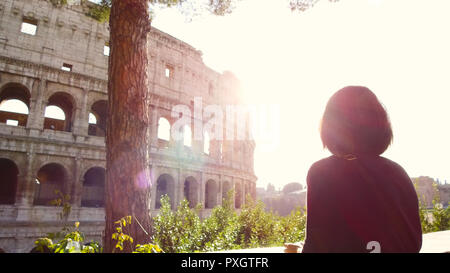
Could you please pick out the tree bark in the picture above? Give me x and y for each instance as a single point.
(127, 136)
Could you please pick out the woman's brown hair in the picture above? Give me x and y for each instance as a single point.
(355, 123)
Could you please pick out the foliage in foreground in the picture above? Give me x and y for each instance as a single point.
(436, 218)
(71, 242)
(182, 230)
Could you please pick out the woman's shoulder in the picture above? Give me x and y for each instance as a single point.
(333, 161)
(390, 163)
(321, 165)
(322, 162)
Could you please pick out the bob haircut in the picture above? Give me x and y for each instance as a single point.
(355, 123)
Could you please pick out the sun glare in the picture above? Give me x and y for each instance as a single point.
(296, 61)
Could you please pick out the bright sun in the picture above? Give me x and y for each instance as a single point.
(295, 61)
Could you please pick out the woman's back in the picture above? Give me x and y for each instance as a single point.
(353, 202)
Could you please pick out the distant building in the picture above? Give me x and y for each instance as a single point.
(428, 190)
(444, 194)
(283, 202)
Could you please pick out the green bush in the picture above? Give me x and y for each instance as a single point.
(182, 230)
(435, 219)
(292, 227)
(257, 228)
(72, 242)
(177, 231)
(220, 229)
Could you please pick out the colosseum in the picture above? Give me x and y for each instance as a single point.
(53, 101)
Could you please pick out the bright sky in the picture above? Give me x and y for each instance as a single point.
(296, 61)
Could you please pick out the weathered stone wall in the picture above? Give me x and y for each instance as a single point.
(30, 71)
(444, 194)
(427, 190)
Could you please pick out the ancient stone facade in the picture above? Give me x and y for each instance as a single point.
(428, 190)
(58, 57)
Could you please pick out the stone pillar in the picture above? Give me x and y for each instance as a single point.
(238, 189)
(24, 191)
(77, 184)
(153, 128)
(219, 192)
(202, 190)
(37, 106)
(181, 188)
(177, 189)
(26, 181)
(25, 188)
(244, 193)
(233, 200)
(81, 120)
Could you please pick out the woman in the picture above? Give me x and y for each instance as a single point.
(358, 201)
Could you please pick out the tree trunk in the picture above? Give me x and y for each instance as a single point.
(127, 137)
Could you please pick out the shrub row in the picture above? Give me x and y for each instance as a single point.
(182, 230)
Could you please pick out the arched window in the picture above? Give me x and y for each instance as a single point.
(206, 143)
(163, 129)
(97, 118)
(59, 112)
(8, 181)
(14, 105)
(165, 185)
(92, 119)
(51, 178)
(211, 191)
(226, 188)
(191, 191)
(93, 188)
(187, 136)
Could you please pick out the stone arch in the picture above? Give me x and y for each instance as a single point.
(191, 191)
(163, 131)
(66, 103)
(50, 178)
(252, 190)
(93, 193)
(238, 195)
(100, 110)
(8, 181)
(165, 185)
(247, 190)
(227, 186)
(9, 93)
(211, 192)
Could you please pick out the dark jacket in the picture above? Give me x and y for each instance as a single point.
(353, 202)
